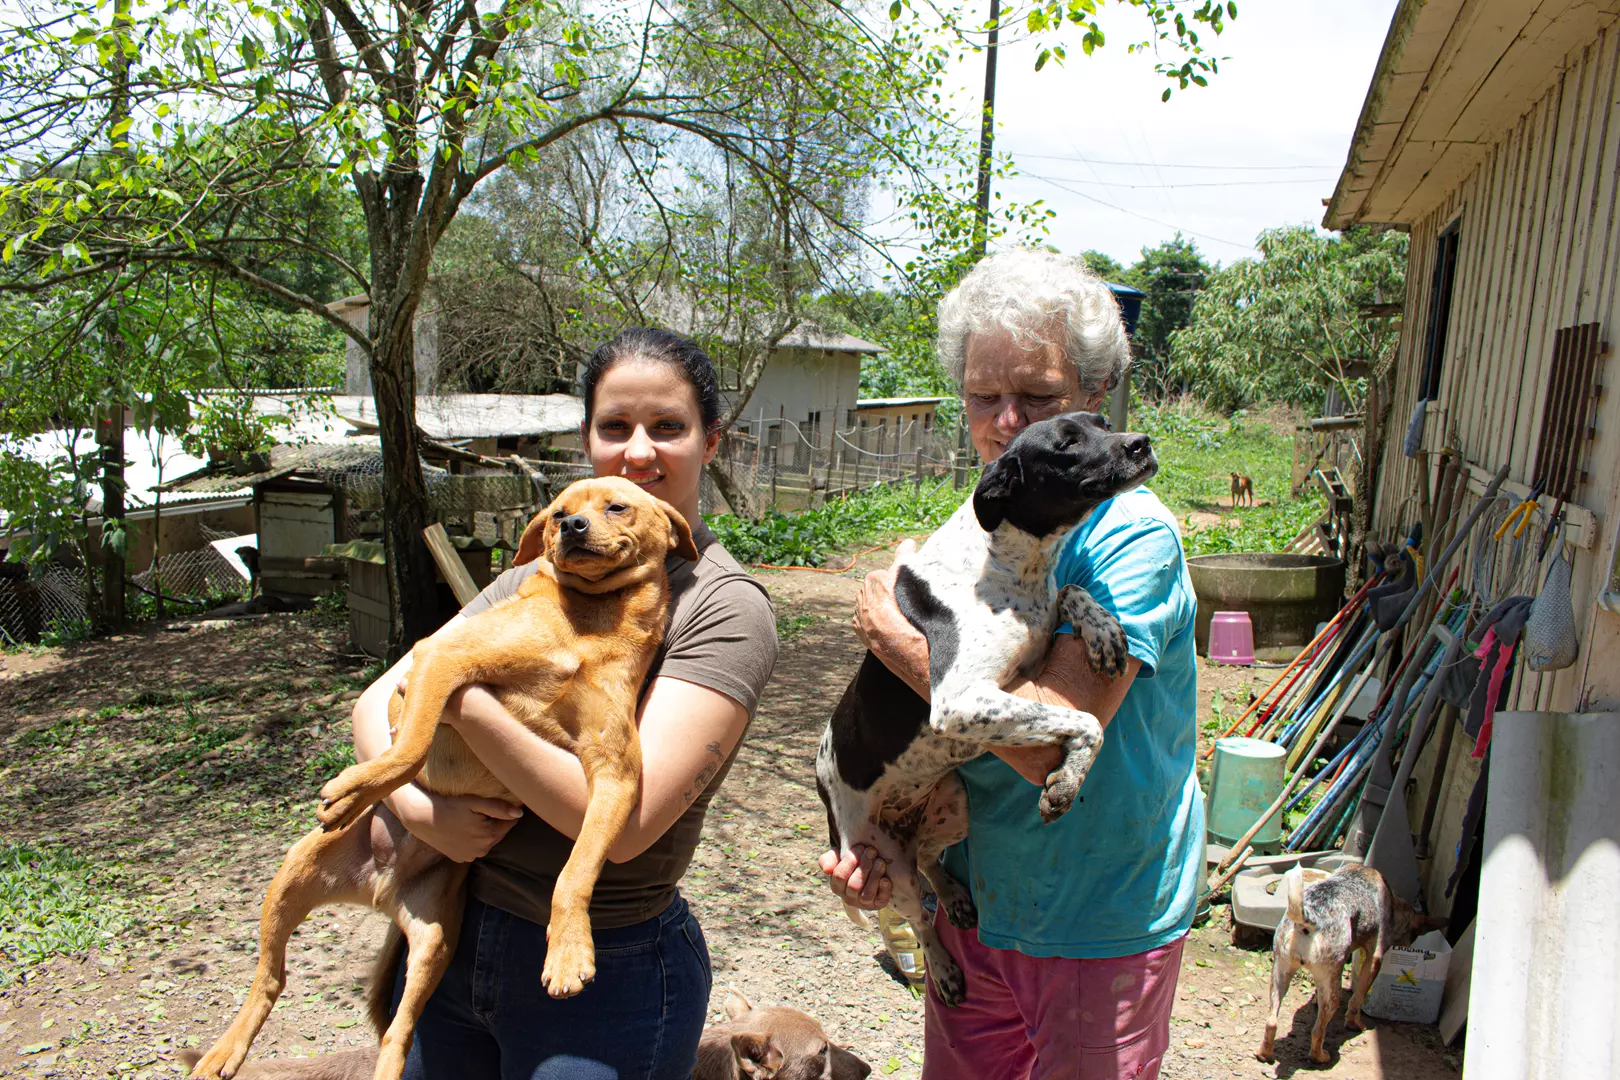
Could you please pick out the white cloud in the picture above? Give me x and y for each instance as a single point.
(1208, 162)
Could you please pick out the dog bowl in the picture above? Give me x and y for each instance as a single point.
(1231, 638)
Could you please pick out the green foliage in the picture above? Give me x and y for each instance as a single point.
(1198, 451)
(1169, 276)
(809, 537)
(1288, 325)
(790, 624)
(52, 903)
(330, 761)
(1104, 266)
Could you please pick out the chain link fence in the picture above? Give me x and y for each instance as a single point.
(38, 600)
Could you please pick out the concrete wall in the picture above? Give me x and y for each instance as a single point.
(1544, 1001)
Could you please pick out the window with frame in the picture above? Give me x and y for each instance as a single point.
(1441, 286)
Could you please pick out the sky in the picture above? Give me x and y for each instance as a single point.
(1261, 146)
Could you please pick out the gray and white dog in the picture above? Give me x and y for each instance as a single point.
(981, 590)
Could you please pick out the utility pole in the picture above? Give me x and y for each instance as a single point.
(987, 134)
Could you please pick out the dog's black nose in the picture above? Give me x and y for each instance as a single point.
(577, 523)
(1137, 445)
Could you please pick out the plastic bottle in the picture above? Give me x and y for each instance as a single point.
(902, 944)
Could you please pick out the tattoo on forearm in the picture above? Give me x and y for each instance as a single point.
(704, 775)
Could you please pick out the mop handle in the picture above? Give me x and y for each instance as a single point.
(1384, 648)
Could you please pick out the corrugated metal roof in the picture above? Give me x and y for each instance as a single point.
(358, 450)
(894, 402)
(476, 416)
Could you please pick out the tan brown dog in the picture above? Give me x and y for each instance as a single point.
(1242, 491)
(567, 656)
(772, 1042)
(760, 1043)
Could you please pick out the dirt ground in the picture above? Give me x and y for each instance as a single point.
(181, 764)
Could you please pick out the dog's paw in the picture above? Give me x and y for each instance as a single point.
(949, 984)
(1097, 628)
(1355, 1020)
(220, 1063)
(957, 903)
(1266, 1053)
(343, 799)
(570, 965)
(1321, 1057)
(1057, 798)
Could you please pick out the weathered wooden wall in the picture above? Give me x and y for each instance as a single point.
(1539, 250)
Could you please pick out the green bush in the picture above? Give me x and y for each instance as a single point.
(810, 536)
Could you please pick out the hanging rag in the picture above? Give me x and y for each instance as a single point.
(1386, 602)
(1550, 643)
(1503, 626)
(1414, 431)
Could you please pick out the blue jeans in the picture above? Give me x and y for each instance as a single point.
(490, 1017)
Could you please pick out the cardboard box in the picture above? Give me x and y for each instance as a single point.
(1411, 981)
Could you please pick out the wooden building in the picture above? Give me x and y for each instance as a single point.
(1491, 133)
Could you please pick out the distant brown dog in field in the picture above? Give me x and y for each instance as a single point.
(770, 1042)
(1242, 488)
(567, 656)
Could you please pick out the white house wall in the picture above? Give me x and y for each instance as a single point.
(796, 383)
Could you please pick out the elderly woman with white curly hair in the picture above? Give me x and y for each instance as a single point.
(1072, 970)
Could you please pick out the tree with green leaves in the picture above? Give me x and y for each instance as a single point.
(1295, 321)
(1169, 275)
(206, 110)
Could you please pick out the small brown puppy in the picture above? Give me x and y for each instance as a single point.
(567, 655)
(1331, 916)
(772, 1042)
(1242, 491)
(759, 1043)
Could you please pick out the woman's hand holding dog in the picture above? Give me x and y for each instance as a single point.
(459, 827)
(888, 633)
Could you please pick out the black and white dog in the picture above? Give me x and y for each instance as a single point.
(981, 590)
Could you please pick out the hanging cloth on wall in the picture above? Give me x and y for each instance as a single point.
(1503, 626)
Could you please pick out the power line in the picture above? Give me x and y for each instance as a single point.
(1133, 213)
(1191, 184)
(1335, 167)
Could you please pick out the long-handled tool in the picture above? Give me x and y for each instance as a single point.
(1384, 647)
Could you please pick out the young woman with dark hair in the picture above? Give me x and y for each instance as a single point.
(652, 410)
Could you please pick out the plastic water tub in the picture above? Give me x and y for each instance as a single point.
(1245, 780)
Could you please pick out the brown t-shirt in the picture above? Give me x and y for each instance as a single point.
(722, 635)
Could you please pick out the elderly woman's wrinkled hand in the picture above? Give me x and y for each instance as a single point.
(884, 629)
(859, 878)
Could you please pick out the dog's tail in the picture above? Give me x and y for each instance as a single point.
(1295, 880)
(380, 986)
(347, 1065)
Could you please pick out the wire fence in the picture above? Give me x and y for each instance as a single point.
(791, 466)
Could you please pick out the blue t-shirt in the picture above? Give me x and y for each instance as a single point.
(1118, 874)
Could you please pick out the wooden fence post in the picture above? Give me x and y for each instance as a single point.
(775, 448)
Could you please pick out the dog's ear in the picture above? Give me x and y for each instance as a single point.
(532, 545)
(680, 533)
(758, 1056)
(846, 1066)
(1001, 482)
(736, 1005)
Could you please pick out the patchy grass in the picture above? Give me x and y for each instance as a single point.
(1199, 450)
(791, 624)
(52, 903)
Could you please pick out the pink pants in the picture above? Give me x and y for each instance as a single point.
(1042, 1019)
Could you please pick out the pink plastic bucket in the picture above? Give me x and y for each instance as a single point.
(1231, 638)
